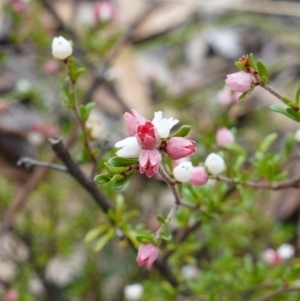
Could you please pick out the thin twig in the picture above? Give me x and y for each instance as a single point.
(75, 171)
(292, 183)
(81, 123)
(277, 293)
(28, 162)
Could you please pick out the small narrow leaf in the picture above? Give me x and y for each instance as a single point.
(121, 183)
(161, 219)
(104, 240)
(235, 148)
(144, 238)
(246, 94)
(240, 65)
(104, 178)
(298, 96)
(267, 142)
(183, 131)
(83, 113)
(167, 236)
(92, 234)
(121, 162)
(262, 71)
(289, 113)
(251, 61)
(116, 177)
(115, 170)
(120, 206)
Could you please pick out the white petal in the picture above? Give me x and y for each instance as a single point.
(133, 292)
(130, 148)
(163, 125)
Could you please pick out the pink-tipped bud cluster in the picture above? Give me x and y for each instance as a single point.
(284, 252)
(186, 172)
(147, 254)
(224, 136)
(239, 81)
(150, 139)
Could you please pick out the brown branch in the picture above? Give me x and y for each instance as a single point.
(28, 162)
(292, 183)
(75, 171)
(277, 293)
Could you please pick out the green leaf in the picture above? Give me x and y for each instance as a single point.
(116, 177)
(235, 148)
(92, 234)
(183, 131)
(167, 236)
(121, 183)
(298, 96)
(77, 74)
(144, 238)
(85, 110)
(251, 61)
(286, 111)
(120, 206)
(289, 102)
(104, 178)
(262, 71)
(161, 219)
(246, 94)
(104, 240)
(121, 162)
(115, 170)
(241, 66)
(267, 142)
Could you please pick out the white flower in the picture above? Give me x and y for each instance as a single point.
(297, 136)
(163, 125)
(214, 164)
(286, 251)
(133, 292)
(61, 48)
(129, 148)
(189, 271)
(183, 172)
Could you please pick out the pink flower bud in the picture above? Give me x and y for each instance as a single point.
(239, 81)
(11, 295)
(271, 257)
(104, 11)
(147, 254)
(178, 148)
(149, 160)
(132, 121)
(199, 176)
(224, 136)
(51, 67)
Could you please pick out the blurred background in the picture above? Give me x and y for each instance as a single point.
(169, 55)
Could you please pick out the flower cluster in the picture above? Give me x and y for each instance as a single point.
(186, 172)
(150, 139)
(284, 252)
